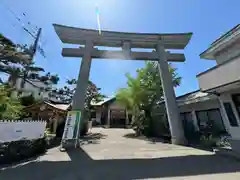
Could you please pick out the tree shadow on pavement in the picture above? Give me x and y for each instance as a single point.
(82, 167)
(92, 138)
(165, 139)
(151, 140)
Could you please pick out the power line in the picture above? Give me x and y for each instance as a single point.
(34, 33)
(19, 20)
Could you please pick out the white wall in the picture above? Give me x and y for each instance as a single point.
(30, 89)
(228, 53)
(221, 75)
(19, 130)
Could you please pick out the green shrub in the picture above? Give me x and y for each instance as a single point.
(27, 100)
(22, 149)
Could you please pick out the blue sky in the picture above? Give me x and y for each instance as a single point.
(206, 19)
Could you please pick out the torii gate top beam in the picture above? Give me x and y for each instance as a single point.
(74, 35)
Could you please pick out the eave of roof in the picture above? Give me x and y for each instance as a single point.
(209, 53)
(61, 107)
(199, 96)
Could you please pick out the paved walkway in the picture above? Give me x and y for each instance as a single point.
(114, 154)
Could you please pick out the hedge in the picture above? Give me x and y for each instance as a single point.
(19, 150)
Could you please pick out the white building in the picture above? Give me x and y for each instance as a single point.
(39, 90)
(224, 79)
(218, 100)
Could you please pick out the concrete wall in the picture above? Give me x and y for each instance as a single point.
(220, 75)
(228, 53)
(18, 130)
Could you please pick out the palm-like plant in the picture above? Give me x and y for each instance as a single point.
(131, 98)
(124, 97)
(144, 92)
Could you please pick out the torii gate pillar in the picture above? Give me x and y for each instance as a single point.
(175, 123)
(82, 81)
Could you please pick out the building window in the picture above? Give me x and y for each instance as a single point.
(210, 119)
(231, 117)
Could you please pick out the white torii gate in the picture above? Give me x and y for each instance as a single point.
(159, 42)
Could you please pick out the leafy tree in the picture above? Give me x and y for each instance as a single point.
(10, 109)
(17, 61)
(66, 93)
(27, 100)
(123, 97)
(13, 53)
(12, 57)
(48, 78)
(143, 93)
(28, 70)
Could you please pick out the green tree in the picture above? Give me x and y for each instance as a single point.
(10, 109)
(143, 93)
(48, 78)
(65, 94)
(17, 61)
(123, 98)
(12, 57)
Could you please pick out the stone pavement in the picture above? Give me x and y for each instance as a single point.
(114, 154)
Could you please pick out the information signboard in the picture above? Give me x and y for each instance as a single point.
(71, 128)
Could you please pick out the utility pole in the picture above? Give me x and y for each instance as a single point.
(35, 44)
(33, 52)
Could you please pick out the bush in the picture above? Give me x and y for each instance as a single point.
(138, 123)
(27, 100)
(208, 141)
(22, 149)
